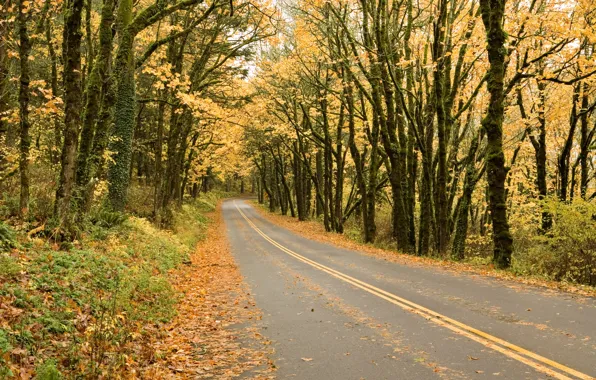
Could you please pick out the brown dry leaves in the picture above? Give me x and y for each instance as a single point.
(213, 335)
(315, 231)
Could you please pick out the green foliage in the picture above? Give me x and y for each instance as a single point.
(9, 268)
(89, 302)
(5, 347)
(41, 203)
(190, 222)
(7, 237)
(567, 252)
(48, 371)
(105, 218)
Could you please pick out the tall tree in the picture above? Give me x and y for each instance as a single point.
(71, 51)
(24, 94)
(493, 13)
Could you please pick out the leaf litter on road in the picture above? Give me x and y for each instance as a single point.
(214, 333)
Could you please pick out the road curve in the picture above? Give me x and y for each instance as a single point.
(333, 313)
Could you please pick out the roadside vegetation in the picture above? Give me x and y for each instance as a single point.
(458, 129)
(118, 133)
(90, 307)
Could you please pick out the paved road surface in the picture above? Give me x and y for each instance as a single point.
(333, 313)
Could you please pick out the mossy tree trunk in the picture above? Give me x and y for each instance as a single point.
(585, 143)
(4, 80)
(564, 156)
(125, 101)
(93, 98)
(55, 155)
(493, 13)
(465, 202)
(124, 110)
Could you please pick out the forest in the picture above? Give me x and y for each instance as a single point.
(461, 130)
(455, 129)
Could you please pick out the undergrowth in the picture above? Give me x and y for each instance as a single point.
(564, 253)
(86, 311)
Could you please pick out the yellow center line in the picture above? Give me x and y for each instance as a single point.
(520, 354)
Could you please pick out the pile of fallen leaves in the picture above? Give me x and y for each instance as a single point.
(213, 334)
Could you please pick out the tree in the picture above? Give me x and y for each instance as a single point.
(493, 13)
(72, 119)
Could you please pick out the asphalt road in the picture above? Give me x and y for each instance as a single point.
(333, 313)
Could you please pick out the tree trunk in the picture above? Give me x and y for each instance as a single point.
(463, 209)
(585, 142)
(118, 173)
(319, 182)
(25, 144)
(93, 92)
(72, 107)
(55, 155)
(493, 12)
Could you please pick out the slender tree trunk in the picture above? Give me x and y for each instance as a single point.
(440, 189)
(72, 107)
(158, 154)
(55, 155)
(4, 83)
(465, 202)
(319, 183)
(540, 154)
(25, 144)
(585, 142)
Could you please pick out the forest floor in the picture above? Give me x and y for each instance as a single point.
(314, 229)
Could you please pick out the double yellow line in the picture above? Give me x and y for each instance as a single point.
(540, 363)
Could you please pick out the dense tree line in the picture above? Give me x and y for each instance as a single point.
(98, 93)
(463, 118)
(429, 108)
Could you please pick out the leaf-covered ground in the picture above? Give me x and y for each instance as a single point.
(129, 301)
(213, 334)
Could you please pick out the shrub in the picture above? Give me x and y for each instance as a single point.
(7, 238)
(9, 268)
(567, 252)
(105, 218)
(48, 371)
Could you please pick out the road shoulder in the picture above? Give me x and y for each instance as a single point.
(214, 333)
(314, 230)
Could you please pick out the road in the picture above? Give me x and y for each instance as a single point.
(333, 313)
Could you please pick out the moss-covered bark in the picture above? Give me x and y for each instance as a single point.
(465, 202)
(94, 93)
(493, 13)
(124, 110)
